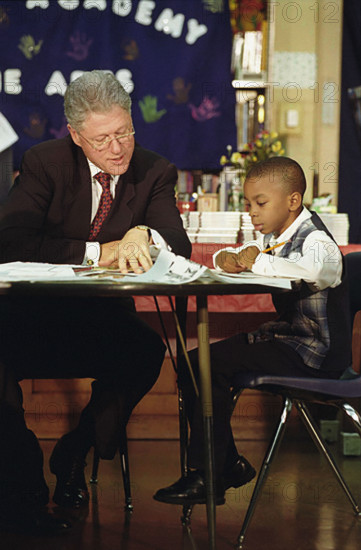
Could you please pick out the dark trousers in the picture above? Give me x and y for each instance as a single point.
(67, 337)
(229, 357)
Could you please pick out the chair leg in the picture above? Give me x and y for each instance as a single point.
(353, 414)
(267, 461)
(183, 443)
(123, 452)
(320, 443)
(94, 476)
(183, 433)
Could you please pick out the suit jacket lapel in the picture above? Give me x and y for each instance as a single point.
(78, 200)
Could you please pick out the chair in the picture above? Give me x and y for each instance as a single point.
(180, 319)
(353, 266)
(124, 462)
(298, 392)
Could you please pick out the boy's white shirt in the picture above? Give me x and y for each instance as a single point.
(319, 265)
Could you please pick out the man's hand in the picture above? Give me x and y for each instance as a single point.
(131, 253)
(236, 263)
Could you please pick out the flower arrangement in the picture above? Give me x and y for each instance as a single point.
(247, 15)
(233, 159)
(265, 145)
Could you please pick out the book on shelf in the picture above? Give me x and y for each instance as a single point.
(252, 53)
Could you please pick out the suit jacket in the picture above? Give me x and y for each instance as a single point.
(46, 217)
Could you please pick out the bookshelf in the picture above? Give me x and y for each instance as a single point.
(252, 44)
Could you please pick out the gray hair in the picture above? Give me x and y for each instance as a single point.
(94, 91)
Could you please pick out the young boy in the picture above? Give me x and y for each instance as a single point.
(310, 337)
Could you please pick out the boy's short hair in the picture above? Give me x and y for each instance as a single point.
(281, 170)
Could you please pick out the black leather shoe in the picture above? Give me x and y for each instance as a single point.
(188, 490)
(241, 473)
(33, 521)
(68, 465)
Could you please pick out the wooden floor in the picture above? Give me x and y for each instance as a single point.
(302, 507)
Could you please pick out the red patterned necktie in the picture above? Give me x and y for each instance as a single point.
(104, 206)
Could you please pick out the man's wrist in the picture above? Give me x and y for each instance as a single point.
(147, 229)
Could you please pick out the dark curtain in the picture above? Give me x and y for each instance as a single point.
(350, 143)
(172, 56)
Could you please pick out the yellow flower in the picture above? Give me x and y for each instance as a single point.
(236, 158)
(282, 152)
(276, 147)
(223, 160)
(274, 135)
(258, 143)
(254, 158)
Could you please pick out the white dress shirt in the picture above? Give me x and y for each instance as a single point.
(319, 265)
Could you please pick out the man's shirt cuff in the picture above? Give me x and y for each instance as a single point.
(92, 253)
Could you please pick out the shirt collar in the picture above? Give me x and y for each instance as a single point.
(287, 234)
(95, 169)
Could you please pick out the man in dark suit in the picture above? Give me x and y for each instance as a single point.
(93, 197)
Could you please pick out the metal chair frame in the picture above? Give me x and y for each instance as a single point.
(124, 462)
(297, 392)
(180, 320)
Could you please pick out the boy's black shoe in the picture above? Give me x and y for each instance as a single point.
(241, 473)
(192, 489)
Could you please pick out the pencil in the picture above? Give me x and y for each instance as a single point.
(273, 247)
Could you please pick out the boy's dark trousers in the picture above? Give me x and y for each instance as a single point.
(229, 357)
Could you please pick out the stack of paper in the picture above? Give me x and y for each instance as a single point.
(219, 227)
(213, 227)
(236, 227)
(247, 232)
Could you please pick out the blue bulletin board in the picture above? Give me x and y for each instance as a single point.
(172, 56)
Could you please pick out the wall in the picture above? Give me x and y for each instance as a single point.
(306, 65)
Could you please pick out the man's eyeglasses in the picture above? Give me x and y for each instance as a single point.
(101, 146)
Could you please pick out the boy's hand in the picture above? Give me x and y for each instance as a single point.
(236, 263)
(248, 256)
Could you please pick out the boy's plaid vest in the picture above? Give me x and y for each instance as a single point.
(315, 324)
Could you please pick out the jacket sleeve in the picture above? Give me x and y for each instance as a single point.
(25, 234)
(163, 215)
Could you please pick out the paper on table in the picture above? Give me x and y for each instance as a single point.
(172, 269)
(32, 271)
(248, 277)
(8, 136)
(167, 269)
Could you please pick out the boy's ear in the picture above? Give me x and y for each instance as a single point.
(295, 200)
